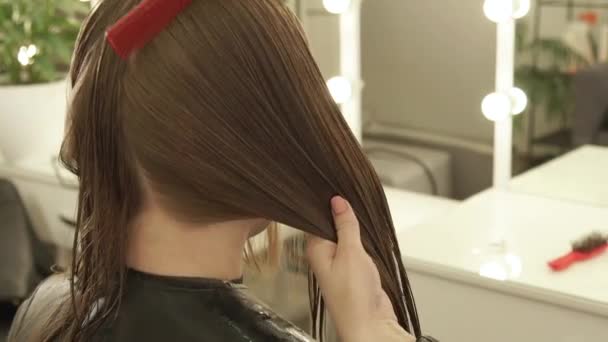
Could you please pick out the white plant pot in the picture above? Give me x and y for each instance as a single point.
(32, 120)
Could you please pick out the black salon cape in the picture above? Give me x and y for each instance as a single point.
(158, 308)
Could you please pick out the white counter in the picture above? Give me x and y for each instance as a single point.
(409, 209)
(580, 176)
(525, 301)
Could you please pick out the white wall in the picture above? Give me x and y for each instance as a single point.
(32, 121)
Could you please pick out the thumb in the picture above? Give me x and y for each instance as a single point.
(347, 225)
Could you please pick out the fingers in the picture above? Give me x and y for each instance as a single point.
(347, 225)
(320, 253)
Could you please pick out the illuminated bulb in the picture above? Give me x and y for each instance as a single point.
(32, 50)
(519, 101)
(22, 56)
(496, 106)
(340, 88)
(26, 53)
(502, 10)
(522, 8)
(498, 10)
(337, 6)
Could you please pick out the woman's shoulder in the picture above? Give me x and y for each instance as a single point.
(260, 318)
(153, 313)
(39, 308)
(221, 315)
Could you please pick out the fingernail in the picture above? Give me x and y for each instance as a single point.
(339, 205)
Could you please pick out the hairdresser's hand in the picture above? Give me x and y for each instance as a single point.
(350, 283)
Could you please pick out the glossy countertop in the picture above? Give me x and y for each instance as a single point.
(502, 241)
(409, 209)
(576, 176)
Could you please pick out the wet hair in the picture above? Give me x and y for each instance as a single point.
(225, 115)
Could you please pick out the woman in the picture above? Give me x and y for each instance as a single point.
(193, 125)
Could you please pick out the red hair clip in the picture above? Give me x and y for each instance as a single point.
(142, 24)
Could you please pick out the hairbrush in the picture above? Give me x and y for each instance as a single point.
(586, 248)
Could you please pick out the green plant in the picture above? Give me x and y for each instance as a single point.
(37, 38)
(548, 82)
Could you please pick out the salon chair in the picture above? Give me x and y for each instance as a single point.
(24, 259)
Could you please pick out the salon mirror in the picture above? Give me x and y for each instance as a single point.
(562, 64)
(426, 65)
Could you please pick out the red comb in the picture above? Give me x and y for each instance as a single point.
(142, 24)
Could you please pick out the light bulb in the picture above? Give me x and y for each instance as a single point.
(26, 54)
(519, 100)
(496, 106)
(498, 10)
(23, 56)
(337, 6)
(340, 88)
(32, 50)
(522, 7)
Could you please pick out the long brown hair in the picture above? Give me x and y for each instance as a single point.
(226, 115)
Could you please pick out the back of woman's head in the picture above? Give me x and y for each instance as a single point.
(223, 115)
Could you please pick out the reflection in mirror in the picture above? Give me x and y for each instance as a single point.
(426, 67)
(562, 55)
